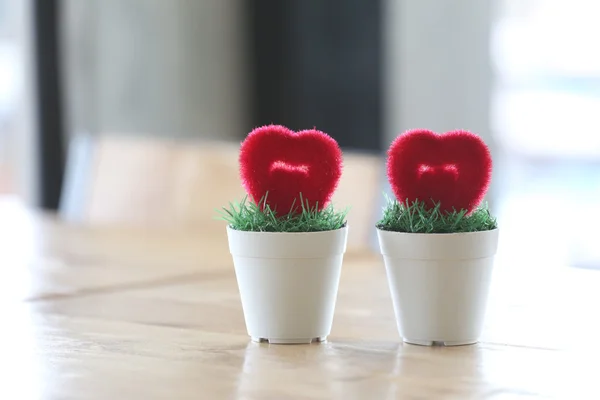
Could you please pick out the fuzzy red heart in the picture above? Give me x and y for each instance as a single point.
(453, 168)
(286, 164)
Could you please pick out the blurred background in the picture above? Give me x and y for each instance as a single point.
(84, 85)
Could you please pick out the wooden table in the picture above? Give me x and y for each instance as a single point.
(126, 314)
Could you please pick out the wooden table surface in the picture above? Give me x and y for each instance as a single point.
(142, 314)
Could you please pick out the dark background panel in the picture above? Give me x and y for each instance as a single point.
(49, 102)
(318, 64)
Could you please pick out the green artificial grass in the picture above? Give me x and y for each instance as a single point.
(248, 216)
(417, 218)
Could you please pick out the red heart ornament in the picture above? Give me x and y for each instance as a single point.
(453, 168)
(285, 164)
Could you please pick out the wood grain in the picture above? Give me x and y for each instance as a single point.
(105, 313)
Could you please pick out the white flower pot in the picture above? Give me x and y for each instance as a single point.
(439, 284)
(288, 282)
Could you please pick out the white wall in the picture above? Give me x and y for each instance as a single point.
(155, 67)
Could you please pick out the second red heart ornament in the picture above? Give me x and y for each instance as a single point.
(453, 169)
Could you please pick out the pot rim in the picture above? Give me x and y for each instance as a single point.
(438, 233)
(287, 244)
(438, 246)
(329, 231)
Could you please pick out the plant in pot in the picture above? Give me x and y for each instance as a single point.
(437, 239)
(286, 239)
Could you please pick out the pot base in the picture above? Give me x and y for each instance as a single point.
(439, 342)
(289, 341)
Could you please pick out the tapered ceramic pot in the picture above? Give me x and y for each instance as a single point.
(439, 284)
(288, 282)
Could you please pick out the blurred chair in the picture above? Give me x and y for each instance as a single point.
(139, 181)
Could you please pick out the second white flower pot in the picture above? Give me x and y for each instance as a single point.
(439, 284)
(288, 282)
